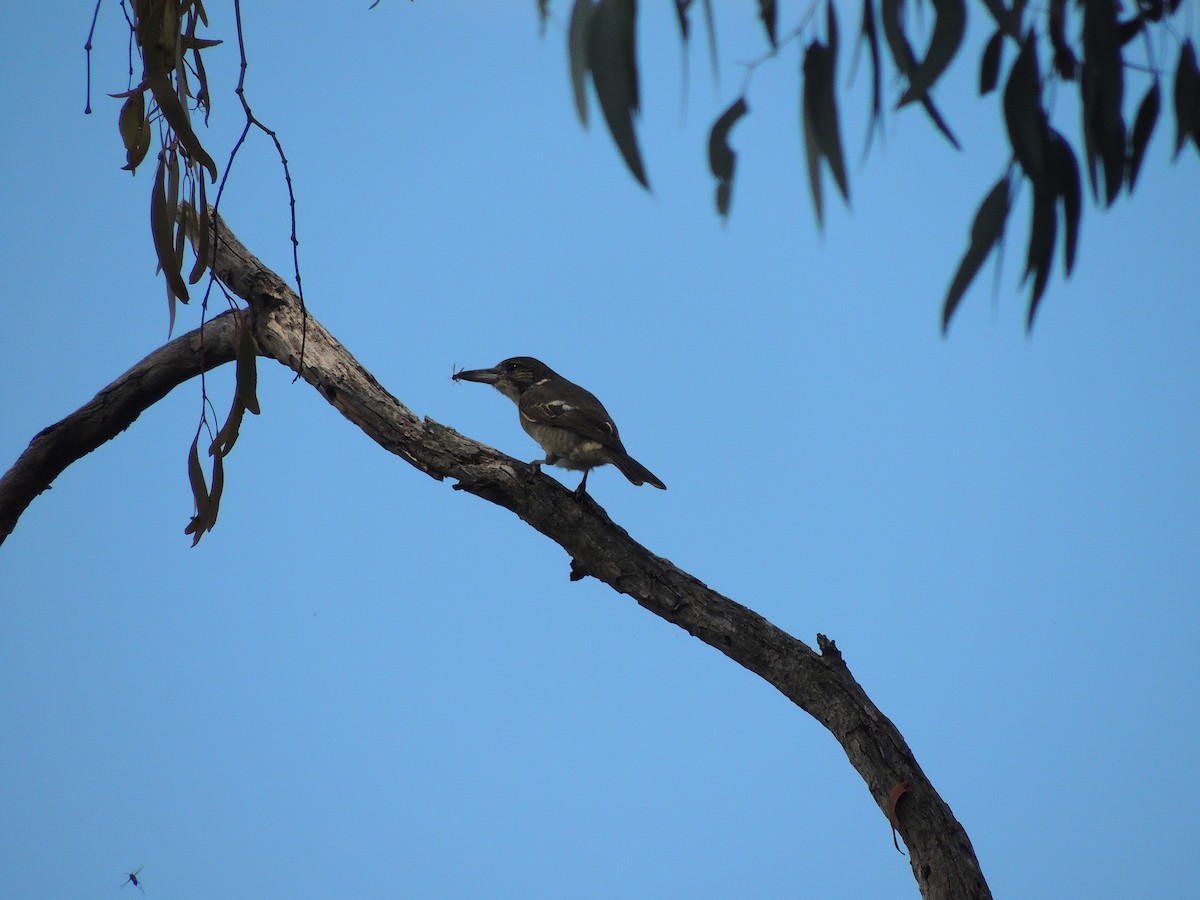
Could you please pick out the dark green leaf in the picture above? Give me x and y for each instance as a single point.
(161, 230)
(247, 369)
(1007, 20)
(989, 66)
(214, 497)
(1102, 86)
(202, 245)
(721, 158)
(938, 121)
(182, 220)
(191, 42)
(172, 211)
(986, 231)
(1129, 29)
(685, 27)
(130, 121)
(769, 13)
(228, 435)
(724, 197)
(611, 52)
(176, 114)
(868, 32)
(812, 147)
(821, 121)
(135, 158)
(948, 28)
(1064, 58)
(200, 521)
(828, 132)
(893, 32)
(581, 13)
(1023, 114)
(1143, 127)
(1187, 96)
(1065, 173)
(1043, 228)
(902, 55)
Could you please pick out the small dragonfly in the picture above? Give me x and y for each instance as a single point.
(133, 879)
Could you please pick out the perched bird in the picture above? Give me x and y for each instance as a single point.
(572, 426)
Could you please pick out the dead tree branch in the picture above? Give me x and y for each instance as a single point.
(110, 412)
(819, 682)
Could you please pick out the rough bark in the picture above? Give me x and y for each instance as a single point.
(820, 683)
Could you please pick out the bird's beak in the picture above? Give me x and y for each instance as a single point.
(483, 376)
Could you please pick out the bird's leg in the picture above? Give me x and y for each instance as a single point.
(550, 460)
(582, 489)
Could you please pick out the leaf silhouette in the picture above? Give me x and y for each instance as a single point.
(769, 13)
(989, 65)
(721, 157)
(611, 53)
(247, 369)
(1102, 88)
(1043, 229)
(902, 56)
(581, 14)
(948, 29)
(986, 231)
(1023, 114)
(130, 122)
(1187, 97)
(1064, 58)
(161, 228)
(1066, 185)
(822, 137)
(1007, 20)
(893, 33)
(177, 116)
(203, 243)
(1143, 127)
(867, 32)
(200, 521)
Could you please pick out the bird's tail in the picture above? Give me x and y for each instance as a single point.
(635, 471)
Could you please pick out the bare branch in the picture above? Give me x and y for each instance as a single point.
(818, 681)
(941, 855)
(110, 412)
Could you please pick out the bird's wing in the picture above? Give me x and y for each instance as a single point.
(593, 423)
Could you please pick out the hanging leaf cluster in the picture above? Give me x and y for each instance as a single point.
(1087, 43)
(207, 494)
(173, 87)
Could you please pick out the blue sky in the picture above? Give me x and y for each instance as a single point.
(365, 684)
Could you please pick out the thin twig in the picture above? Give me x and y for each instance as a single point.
(87, 51)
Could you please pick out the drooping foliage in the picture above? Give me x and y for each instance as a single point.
(1098, 48)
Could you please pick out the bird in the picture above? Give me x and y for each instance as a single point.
(569, 423)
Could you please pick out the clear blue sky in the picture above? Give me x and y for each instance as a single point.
(365, 684)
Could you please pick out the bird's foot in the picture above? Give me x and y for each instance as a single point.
(581, 491)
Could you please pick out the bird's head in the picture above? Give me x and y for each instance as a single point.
(512, 377)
